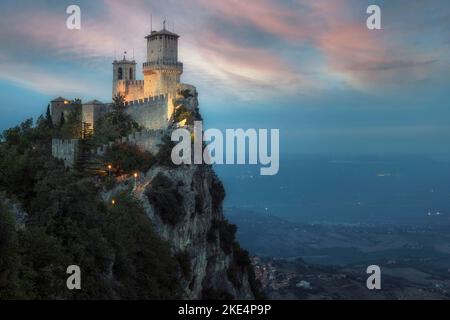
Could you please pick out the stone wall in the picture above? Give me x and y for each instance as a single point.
(130, 89)
(92, 111)
(147, 140)
(60, 107)
(161, 78)
(66, 150)
(151, 113)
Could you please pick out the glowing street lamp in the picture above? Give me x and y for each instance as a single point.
(113, 202)
(109, 169)
(135, 179)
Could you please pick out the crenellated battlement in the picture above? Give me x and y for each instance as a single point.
(161, 72)
(66, 150)
(138, 83)
(148, 101)
(167, 66)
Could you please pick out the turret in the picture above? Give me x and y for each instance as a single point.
(162, 70)
(123, 70)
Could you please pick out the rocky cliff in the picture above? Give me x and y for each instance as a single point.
(184, 204)
(196, 234)
(161, 235)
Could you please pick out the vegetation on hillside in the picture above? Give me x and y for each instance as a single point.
(69, 223)
(166, 199)
(71, 127)
(119, 254)
(126, 159)
(114, 125)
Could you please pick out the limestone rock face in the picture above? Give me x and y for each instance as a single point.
(184, 203)
(195, 235)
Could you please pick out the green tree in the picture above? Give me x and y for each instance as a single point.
(143, 265)
(48, 117)
(71, 128)
(127, 158)
(9, 258)
(115, 124)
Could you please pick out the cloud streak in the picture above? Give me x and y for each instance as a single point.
(255, 48)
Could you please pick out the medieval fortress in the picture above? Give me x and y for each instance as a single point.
(149, 102)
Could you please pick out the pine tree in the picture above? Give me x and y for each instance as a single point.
(48, 117)
(63, 120)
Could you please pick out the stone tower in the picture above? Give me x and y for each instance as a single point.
(124, 71)
(162, 70)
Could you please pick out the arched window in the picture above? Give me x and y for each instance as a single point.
(131, 74)
(120, 75)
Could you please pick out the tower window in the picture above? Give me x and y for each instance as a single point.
(120, 74)
(131, 74)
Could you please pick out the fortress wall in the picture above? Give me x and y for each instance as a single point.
(66, 150)
(56, 112)
(161, 81)
(131, 89)
(57, 109)
(150, 113)
(147, 140)
(134, 90)
(92, 112)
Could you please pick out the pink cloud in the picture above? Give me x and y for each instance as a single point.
(346, 51)
(360, 57)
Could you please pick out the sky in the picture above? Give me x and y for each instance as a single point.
(309, 68)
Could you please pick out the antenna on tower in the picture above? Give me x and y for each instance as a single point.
(164, 24)
(133, 53)
(151, 23)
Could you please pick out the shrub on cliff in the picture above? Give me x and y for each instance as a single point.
(241, 259)
(184, 261)
(182, 113)
(186, 93)
(217, 193)
(114, 125)
(126, 158)
(143, 264)
(166, 199)
(163, 157)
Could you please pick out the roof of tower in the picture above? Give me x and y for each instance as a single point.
(124, 60)
(94, 102)
(162, 32)
(59, 99)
